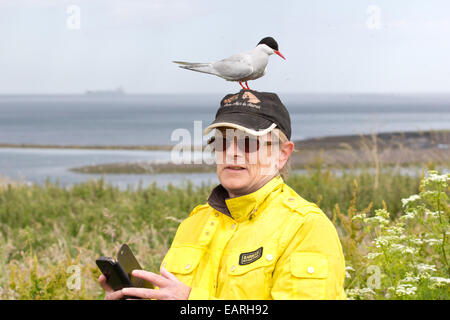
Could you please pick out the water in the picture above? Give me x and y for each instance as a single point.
(37, 165)
(151, 119)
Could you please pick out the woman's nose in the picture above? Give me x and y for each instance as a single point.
(233, 152)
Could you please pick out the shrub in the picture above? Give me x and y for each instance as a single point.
(407, 257)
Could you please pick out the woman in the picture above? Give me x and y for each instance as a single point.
(255, 238)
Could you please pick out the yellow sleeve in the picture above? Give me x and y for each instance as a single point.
(312, 266)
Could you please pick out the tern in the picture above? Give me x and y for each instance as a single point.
(240, 67)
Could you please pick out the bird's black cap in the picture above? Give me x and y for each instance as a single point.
(270, 42)
(253, 112)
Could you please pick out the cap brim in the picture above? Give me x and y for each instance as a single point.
(256, 126)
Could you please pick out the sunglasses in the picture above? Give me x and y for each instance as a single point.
(245, 144)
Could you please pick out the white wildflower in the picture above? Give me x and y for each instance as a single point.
(376, 220)
(382, 213)
(395, 230)
(431, 214)
(410, 279)
(347, 273)
(433, 176)
(412, 198)
(403, 249)
(404, 289)
(409, 215)
(364, 293)
(417, 241)
(382, 241)
(440, 280)
(367, 291)
(422, 267)
(372, 255)
(432, 242)
(359, 217)
(409, 250)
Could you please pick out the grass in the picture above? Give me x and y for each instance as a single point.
(44, 230)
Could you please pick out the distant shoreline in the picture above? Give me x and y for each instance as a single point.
(333, 142)
(84, 147)
(398, 148)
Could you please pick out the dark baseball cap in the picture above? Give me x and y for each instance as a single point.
(253, 112)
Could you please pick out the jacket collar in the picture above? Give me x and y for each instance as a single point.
(244, 207)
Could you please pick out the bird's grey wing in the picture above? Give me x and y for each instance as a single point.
(234, 68)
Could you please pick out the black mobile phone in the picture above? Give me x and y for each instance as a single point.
(118, 273)
(116, 277)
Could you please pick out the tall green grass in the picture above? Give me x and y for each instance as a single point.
(46, 229)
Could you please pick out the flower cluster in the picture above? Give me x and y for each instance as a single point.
(411, 252)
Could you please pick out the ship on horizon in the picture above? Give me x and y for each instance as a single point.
(119, 91)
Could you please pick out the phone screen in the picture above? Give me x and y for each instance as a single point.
(128, 262)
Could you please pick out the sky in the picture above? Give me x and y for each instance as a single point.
(348, 46)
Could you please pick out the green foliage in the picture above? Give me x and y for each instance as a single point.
(47, 230)
(407, 257)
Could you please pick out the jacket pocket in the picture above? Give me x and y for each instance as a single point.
(309, 272)
(183, 262)
(250, 273)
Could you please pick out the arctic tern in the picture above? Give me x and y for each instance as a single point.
(240, 67)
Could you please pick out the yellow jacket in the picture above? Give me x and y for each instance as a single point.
(276, 246)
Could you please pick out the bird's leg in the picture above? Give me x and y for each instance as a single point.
(241, 85)
(247, 85)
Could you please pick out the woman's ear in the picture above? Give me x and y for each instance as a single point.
(285, 152)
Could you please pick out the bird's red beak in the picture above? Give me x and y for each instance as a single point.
(279, 53)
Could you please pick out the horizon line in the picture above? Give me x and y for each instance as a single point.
(125, 94)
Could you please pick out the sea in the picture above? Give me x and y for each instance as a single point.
(159, 120)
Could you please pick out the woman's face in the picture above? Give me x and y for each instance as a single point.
(245, 162)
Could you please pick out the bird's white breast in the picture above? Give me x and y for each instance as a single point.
(259, 62)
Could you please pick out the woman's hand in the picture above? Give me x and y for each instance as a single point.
(170, 288)
(110, 293)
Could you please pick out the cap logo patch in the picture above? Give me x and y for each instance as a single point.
(230, 99)
(249, 257)
(250, 97)
(248, 100)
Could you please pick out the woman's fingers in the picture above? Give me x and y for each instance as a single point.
(104, 284)
(166, 274)
(115, 295)
(170, 287)
(143, 293)
(151, 277)
(110, 293)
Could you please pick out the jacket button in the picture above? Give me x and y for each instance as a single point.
(233, 225)
(233, 268)
(269, 257)
(188, 266)
(310, 270)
